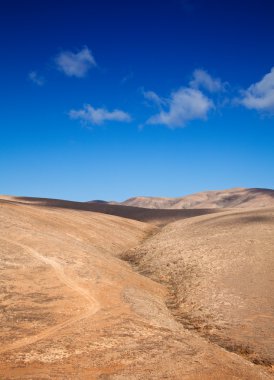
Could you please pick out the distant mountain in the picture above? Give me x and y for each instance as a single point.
(98, 201)
(232, 198)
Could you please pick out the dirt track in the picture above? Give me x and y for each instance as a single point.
(93, 305)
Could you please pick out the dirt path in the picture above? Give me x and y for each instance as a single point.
(93, 305)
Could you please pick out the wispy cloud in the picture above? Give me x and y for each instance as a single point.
(127, 77)
(187, 103)
(154, 98)
(183, 105)
(75, 64)
(35, 78)
(260, 96)
(98, 116)
(201, 79)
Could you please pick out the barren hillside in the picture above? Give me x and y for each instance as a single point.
(219, 269)
(232, 198)
(155, 216)
(71, 309)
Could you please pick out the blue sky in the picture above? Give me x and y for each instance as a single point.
(112, 99)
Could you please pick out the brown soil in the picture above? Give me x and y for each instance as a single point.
(219, 270)
(70, 308)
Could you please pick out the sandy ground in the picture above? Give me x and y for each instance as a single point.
(71, 309)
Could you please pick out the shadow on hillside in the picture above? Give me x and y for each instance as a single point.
(156, 216)
(258, 191)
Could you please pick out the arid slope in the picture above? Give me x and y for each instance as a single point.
(232, 198)
(220, 272)
(71, 309)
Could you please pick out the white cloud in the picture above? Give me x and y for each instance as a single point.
(154, 98)
(260, 95)
(184, 105)
(35, 78)
(201, 79)
(97, 116)
(75, 64)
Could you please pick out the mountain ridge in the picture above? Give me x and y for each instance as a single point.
(230, 198)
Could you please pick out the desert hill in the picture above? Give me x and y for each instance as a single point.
(219, 269)
(232, 198)
(88, 295)
(155, 216)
